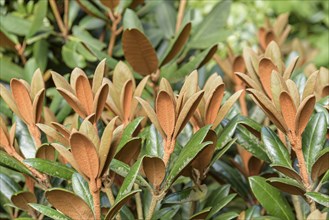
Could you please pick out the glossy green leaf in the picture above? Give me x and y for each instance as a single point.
(90, 8)
(10, 162)
(129, 181)
(131, 20)
(81, 188)
(8, 186)
(219, 153)
(227, 132)
(153, 142)
(186, 195)
(9, 70)
(313, 139)
(51, 168)
(123, 169)
(250, 142)
(40, 12)
(49, 212)
(166, 213)
(227, 216)
(128, 132)
(319, 198)
(270, 198)
(119, 203)
(188, 153)
(275, 149)
(204, 35)
(201, 215)
(25, 142)
(220, 204)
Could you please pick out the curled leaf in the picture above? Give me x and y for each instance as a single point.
(165, 111)
(155, 170)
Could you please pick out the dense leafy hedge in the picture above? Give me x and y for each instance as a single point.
(145, 128)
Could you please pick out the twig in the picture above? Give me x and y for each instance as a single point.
(297, 206)
(95, 192)
(66, 15)
(116, 19)
(180, 15)
(58, 17)
(138, 203)
(20, 50)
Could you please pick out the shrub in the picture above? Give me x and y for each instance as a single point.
(156, 135)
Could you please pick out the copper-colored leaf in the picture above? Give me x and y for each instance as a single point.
(105, 144)
(151, 115)
(288, 172)
(8, 98)
(46, 152)
(273, 52)
(238, 64)
(100, 101)
(249, 81)
(293, 91)
(213, 104)
(121, 74)
(111, 4)
(265, 70)
(310, 85)
(130, 151)
(179, 44)
(320, 166)
(288, 71)
(294, 190)
(60, 82)
(84, 152)
(84, 93)
(288, 110)
(226, 108)
(269, 37)
(126, 98)
(165, 111)
(139, 52)
(22, 199)
(262, 37)
(38, 105)
(187, 112)
(155, 170)
(304, 113)
(22, 100)
(73, 102)
(90, 131)
(61, 129)
(203, 159)
(4, 138)
(138, 93)
(280, 23)
(98, 76)
(69, 204)
(189, 88)
(209, 56)
(37, 83)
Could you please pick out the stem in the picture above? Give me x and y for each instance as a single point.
(66, 15)
(153, 204)
(168, 149)
(180, 15)
(297, 206)
(108, 191)
(58, 17)
(138, 203)
(95, 192)
(297, 147)
(114, 32)
(20, 50)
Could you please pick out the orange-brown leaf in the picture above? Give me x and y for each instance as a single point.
(46, 152)
(84, 93)
(84, 152)
(100, 101)
(265, 71)
(73, 102)
(288, 110)
(22, 199)
(126, 99)
(304, 113)
(22, 100)
(165, 111)
(213, 105)
(139, 52)
(69, 204)
(38, 105)
(155, 170)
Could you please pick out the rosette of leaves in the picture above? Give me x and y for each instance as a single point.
(90, 156)
(278, 31)
(171, 113)
(123, 89)
(211, 111)
(26, 101)
(88, 101)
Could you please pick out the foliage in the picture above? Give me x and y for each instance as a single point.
(148, 129)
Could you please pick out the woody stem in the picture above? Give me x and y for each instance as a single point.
(168, 149)
(95, 191)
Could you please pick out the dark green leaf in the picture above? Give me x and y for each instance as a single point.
(188, 153)
(131, 20)
(81, 188)
(270, 198)
(128, 132)
(314, 137)
(227, 216)
(123, 169)
(119, 203)
(87, 38)
(40, 52)
(186, 195)
(51, 168)
(220, 204)
(40, 12)
(49, 212)
(8, 186)
(276, 150)
(166, 213)
(201, 215)
(10, 162)
(9, 70)
(153, 145)
(91, 9)
(211, 30)
(226, 133)
(319, 198)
